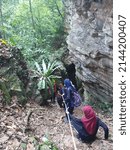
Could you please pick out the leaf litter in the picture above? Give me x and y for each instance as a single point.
(26, 128)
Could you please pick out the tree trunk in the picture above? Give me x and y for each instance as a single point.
(32, 18)
(1, 16)
(58, 10)
(31, 12)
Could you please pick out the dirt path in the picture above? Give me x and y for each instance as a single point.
(19, 125)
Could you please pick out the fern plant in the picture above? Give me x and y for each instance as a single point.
(46, 74)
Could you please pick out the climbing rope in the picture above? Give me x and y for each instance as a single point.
(66, 109)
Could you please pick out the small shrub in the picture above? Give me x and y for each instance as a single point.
(46, 74)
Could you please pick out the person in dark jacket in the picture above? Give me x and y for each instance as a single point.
(68, 95)
(88, 125)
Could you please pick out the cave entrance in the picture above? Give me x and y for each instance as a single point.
(71, 73)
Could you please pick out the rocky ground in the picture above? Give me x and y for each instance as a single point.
(22, 128)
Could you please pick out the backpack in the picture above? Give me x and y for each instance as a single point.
(77, 99)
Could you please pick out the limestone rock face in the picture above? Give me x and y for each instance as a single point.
(89, 24)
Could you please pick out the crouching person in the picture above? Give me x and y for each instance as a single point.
(88, 125)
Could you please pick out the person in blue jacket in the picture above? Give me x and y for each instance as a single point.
(87, 127)
(68, 95)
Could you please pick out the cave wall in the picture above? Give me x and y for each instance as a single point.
(89, 24)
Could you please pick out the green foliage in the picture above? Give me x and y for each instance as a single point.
(23, 146)
(45, 74)
(104, 106)
(45, 145)
(37, 27)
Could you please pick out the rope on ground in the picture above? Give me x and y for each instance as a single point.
(74, 143)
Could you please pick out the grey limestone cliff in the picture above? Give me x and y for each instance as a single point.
(89, 25)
